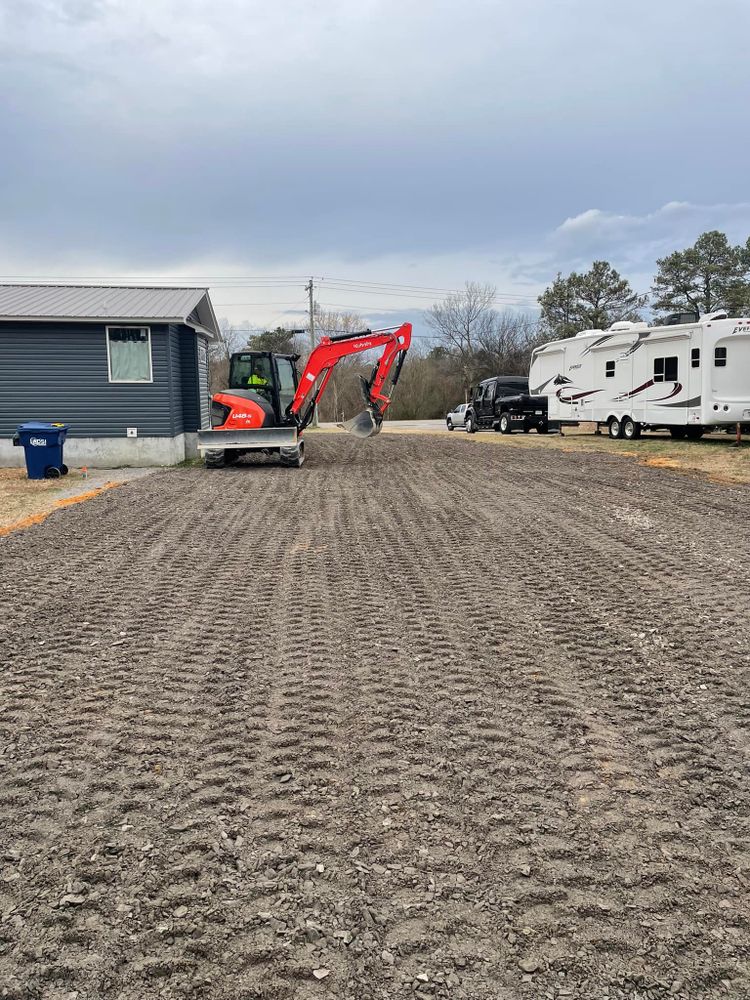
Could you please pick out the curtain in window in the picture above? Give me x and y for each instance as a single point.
(129, 355)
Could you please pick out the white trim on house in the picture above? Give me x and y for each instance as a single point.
(107, 320)
(129, 381)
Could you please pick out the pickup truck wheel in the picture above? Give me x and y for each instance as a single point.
(450, 425)
(505, 424)
(470, 428)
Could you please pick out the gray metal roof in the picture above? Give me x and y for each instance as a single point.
(109, 303)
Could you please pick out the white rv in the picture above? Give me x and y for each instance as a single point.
(688, 378)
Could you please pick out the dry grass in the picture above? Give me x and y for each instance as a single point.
(20, 496)
(24, 501)
(714, 457)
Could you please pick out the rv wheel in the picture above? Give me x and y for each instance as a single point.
(631, 429)
(615, 428)
(694, 433)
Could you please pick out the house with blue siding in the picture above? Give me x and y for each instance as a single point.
(126, 368)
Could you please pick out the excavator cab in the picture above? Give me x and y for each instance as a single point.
(272, 377)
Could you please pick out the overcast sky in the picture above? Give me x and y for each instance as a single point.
(419, 142)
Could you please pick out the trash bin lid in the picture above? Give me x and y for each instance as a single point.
(41, 425)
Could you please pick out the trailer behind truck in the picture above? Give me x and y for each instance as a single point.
(687, 378)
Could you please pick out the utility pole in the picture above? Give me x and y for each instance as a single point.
(309, 290)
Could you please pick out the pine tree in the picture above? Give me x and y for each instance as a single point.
(590, 301)
(710, 275)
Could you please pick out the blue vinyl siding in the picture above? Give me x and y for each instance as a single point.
(58, 371)
(189, 377)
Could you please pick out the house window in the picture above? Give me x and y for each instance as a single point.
(695, 357)
(609, 369)
(720, 357)
(129, 354)
(665, 369)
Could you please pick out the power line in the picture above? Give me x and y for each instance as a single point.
(284, 302)
(268, 281)
(396, 286)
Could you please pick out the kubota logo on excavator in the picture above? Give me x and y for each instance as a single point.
(360, 345)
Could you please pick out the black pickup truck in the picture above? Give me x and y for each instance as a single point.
(503, 403)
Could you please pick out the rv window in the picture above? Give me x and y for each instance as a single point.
(720, 357)
(609, 369)
(695, 357)
(665, 369)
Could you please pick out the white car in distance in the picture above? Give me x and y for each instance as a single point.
(456, 417)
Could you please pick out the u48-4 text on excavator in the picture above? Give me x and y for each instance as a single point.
(269, 404)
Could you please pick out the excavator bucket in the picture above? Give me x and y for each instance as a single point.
(364, 425)
(369, 421)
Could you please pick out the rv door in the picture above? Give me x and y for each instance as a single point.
(664, 401)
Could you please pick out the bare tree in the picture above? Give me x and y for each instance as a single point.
(228, 340)
(342, 398)
(505, 348)
(426, 389)
(460, 321)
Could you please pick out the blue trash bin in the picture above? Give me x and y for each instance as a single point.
(43, 446)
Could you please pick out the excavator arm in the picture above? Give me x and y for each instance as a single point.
(377, 390)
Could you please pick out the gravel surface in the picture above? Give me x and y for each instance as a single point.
(417, 720)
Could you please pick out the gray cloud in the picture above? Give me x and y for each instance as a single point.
(150, 135)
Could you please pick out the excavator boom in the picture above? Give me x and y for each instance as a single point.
(377, 391)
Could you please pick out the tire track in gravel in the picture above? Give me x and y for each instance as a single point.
(352, 726)
(454, 686)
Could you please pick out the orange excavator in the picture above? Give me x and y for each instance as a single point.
(269, 404)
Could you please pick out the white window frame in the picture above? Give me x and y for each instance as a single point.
(130, 381)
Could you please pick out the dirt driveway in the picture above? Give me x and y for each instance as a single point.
(417, 720)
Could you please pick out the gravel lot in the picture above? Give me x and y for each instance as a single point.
(422, 719)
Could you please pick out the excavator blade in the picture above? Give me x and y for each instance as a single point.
(364, 425)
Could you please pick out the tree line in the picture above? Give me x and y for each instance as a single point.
(473, 340)
(709, 276)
